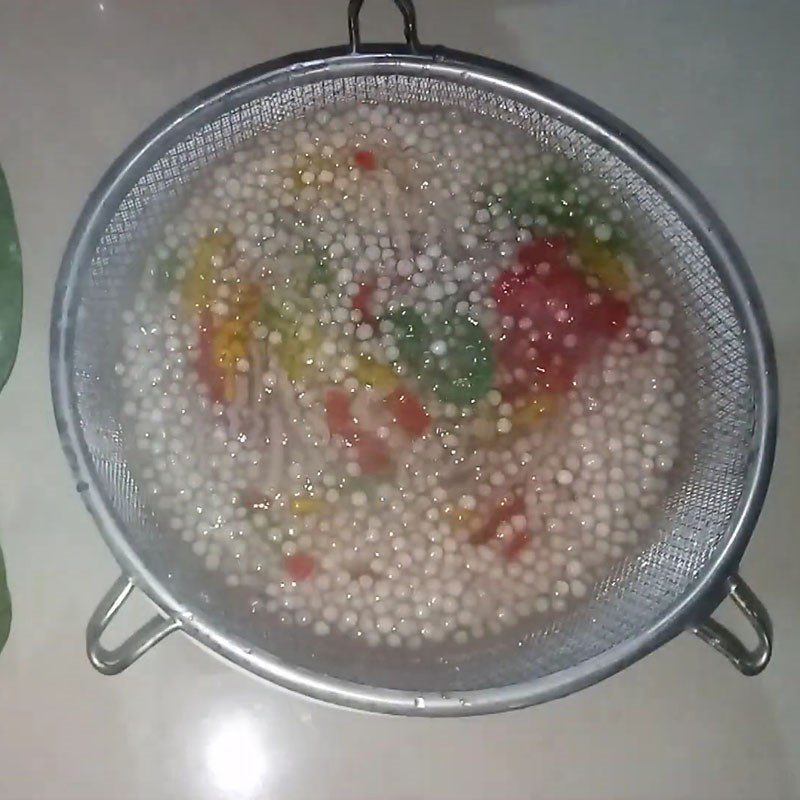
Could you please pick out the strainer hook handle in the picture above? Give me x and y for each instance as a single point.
(113, 661)
(409, 24)
(747, 661)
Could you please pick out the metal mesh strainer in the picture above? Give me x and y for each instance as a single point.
(670, 585)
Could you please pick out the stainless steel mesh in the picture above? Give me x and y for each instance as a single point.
(718, 449)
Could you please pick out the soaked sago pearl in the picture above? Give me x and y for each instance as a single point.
(336, 398)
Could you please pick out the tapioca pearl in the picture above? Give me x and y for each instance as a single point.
(384, 624)
(348, 620)
(615, 491)
(564, 477)
(578, 478)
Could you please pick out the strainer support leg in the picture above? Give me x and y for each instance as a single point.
(747, 661)
(115, 660)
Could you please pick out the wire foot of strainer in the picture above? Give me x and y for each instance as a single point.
(671, 585)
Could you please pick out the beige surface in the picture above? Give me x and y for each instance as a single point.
(714, 84)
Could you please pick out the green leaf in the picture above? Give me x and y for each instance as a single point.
(412, 337)
(5, 605)
(320, 272)
(10, 283)
(164, 272)
(10, 319)
(464, 374)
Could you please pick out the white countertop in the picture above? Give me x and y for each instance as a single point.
(714, 85)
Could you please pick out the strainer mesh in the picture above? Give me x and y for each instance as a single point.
(717, 428)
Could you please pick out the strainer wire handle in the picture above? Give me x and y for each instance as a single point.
(747, 661)
(112, 661)
(409, 24)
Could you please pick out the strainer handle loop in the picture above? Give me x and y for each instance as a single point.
(114, 661)
(409, 24)
(747, 661)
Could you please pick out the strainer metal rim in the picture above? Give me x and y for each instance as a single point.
(689, 610)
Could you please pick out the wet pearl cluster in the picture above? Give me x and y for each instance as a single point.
(393, 558)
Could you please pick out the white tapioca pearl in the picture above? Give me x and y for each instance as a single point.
(615, 492)
(665, 309)
(424, 262)
(578, 588)
(574, 568)
(641, 521)
(384, 624)
(434, 291)
(373, 253)
(364, 331)
(541, 604)
(504, 425)
(564, 477)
